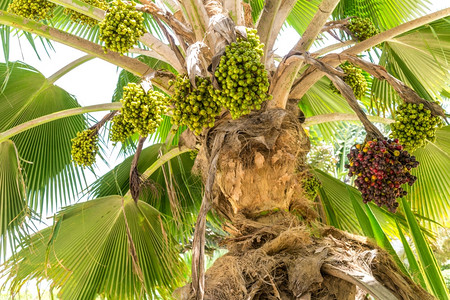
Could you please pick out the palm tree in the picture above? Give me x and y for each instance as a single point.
(248, 184)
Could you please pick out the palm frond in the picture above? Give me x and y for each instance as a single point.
(109, 246)
(430, 194)
(45, 150)
(384, 14)
(188, 188)
(321, 100)
(340, 201)
(12, 196)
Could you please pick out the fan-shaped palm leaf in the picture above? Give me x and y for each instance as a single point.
(340, 203)
(420, 58)
(384, 14)
(12, 195)
(45, 150)
(110, 246)
(320, 100)
(175, 176)
(430, 194)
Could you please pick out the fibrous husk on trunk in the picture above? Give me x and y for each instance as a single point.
(277, 249)
(278, 257)
(259, 163)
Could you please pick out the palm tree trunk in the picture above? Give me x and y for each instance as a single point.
(278, 249)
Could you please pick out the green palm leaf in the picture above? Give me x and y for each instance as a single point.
(420, 58)
(188, 188)
(430, 194)
(342, 205)
(45, 150)
(12, 195)
(109, 246)
(320, 100)
(384, 14)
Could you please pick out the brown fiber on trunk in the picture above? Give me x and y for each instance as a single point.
(277, 248)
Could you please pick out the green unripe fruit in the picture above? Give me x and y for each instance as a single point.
(416, 126)
(85, 147)
(355, 79)
(114, 33)
(362, 28)
(311, 185)
(194, 107)
(83, 19)
(32, 9)
(244, 77)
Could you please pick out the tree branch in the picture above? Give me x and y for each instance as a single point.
(312, 75)
(197, 17)
(346, 91)
(178, 27)
(132, 65)
(286, 73)
(405, 92)
(66, 69)
(56, 116)
(337, 117)
(147, 39)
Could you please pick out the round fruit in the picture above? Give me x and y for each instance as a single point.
(83, 19)
(310, 186)
(194, 107)
(122, 27)
(242, 77)
(355, 79)
(381, 167)
(415, 125)
(362, 28)
(32, 9)
(120, 129)
(142, 110)
(85, 147)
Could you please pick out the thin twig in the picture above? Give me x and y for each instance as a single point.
(135, 182)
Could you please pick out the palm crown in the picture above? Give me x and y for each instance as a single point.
(211, 76)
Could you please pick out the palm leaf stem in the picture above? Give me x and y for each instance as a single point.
(336, 117)
(287, 73)
(130, 64)
(161, 49)
(57, 115)
(66, 69)
(302, 85)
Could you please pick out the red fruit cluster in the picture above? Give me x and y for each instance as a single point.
(381, 167)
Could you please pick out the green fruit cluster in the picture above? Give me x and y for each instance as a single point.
(415, 125)
(122, 27)
(355, 79)
(85, 147)
(310, 186)
(362, 28)
(120, 129)
(142, 110)
(83, 19)
(32, 9)
(242, 77)
(194, 107)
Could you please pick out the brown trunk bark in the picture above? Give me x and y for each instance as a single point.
(277, 247)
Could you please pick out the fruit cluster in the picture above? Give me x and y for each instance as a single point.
(355, 79)
(414, 125)
(83, 19)
(311, 185)
(32, 9)
(120, 129)
(381, 167)
(362, 28)
(194, 107)
(122, 27)
(143, 111)
(85, 147)
(242, 77)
